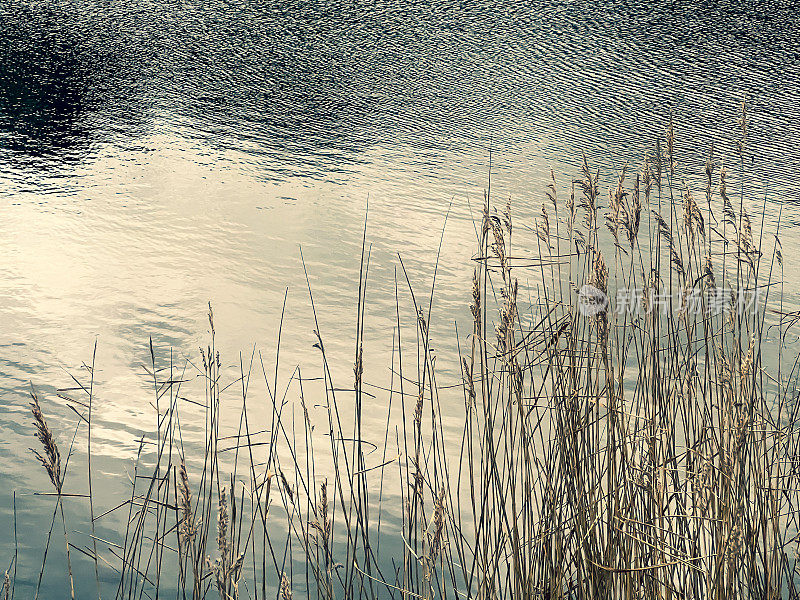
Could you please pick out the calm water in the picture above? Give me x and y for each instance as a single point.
(155, 155)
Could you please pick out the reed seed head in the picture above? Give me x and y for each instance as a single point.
(418, 409)
(51, 459)
(186, 530)
(286, 588)
(222, 523)
(358, 368)
(286, 487)
(475, 307)
(507, 217)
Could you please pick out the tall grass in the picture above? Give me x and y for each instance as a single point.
(643, 448)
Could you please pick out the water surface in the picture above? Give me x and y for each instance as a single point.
(160, 154)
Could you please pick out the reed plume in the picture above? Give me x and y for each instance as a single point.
(186, 529)
(286, 588)
(51, 460)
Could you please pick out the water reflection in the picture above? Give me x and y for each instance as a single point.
(44, 86)
(305, 88)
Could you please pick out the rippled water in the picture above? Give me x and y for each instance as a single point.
(155, 155)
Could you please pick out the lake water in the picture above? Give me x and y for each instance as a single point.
(156, 155)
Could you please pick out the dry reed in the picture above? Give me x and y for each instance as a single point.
(646, 450)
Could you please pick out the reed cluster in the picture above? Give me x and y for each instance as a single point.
(629, 426)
